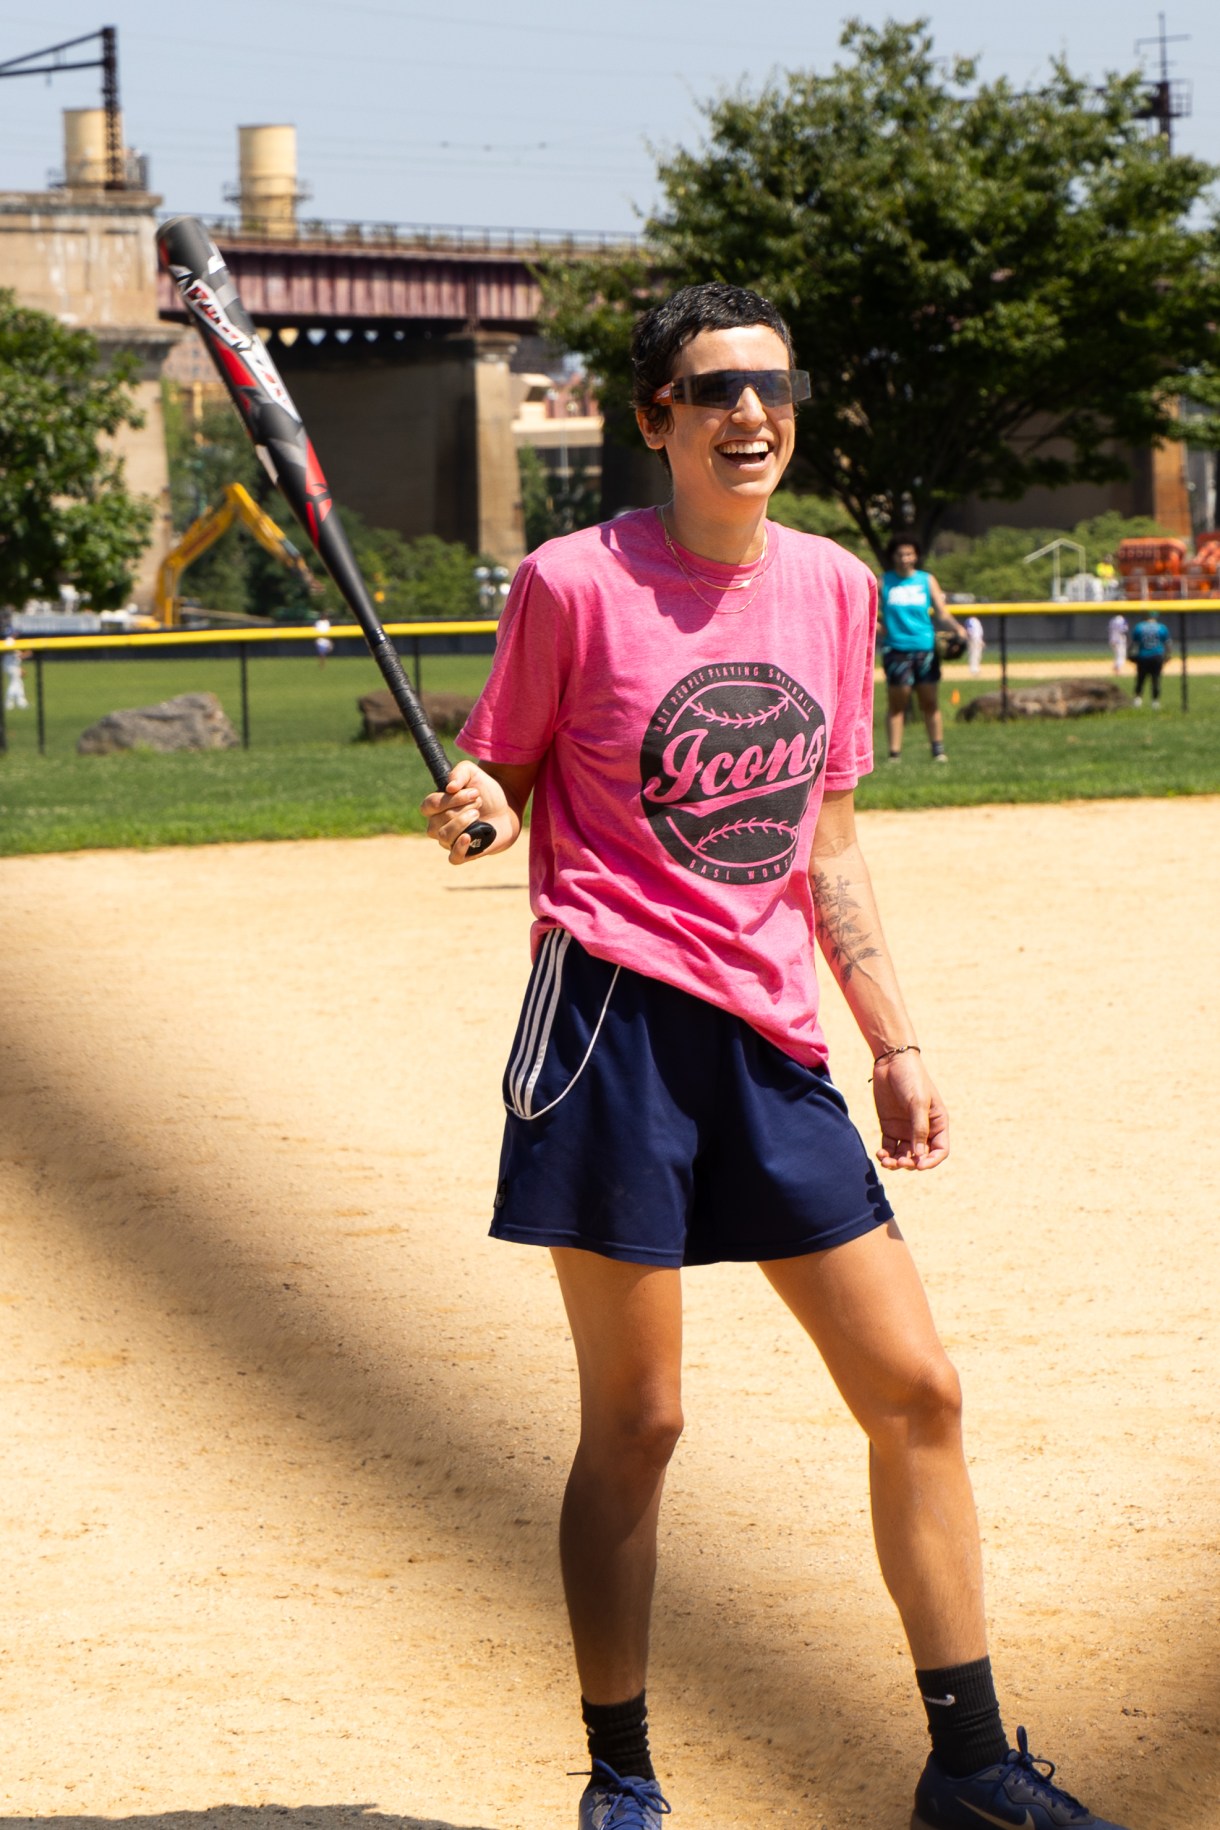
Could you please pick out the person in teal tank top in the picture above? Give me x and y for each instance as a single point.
(1149, 647)
(912, 604)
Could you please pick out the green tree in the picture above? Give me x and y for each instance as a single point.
(425, 580)
(815, 515)
(993, 289)
(208, 449)
(536, 512)
(437, 581)
(993, 568)
(552, 503)
(66, 516)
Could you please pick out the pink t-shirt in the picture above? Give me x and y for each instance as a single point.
(686, 735)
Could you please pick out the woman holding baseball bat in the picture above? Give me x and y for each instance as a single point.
(687, 695)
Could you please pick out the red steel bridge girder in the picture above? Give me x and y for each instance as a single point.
(304, 286)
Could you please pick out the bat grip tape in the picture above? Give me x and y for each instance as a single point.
(481, 834)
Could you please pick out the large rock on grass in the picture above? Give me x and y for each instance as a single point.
(447, 713)
(192, 721)
(1050, 699)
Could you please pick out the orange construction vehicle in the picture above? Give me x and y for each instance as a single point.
(238, 504)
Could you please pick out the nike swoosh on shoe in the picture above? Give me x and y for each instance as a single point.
(1006, 1823)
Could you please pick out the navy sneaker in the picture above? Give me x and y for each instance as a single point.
(611, 1803)
(1017, 1795)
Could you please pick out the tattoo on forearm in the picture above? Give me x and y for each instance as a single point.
(843, 938)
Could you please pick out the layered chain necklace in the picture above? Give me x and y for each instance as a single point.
(753, 583)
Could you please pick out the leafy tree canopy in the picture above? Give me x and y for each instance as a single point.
(554, 504)
(993, 289)
(993, 567)
(65, 515)
(208, 449)
(423, 580)
(818, 515)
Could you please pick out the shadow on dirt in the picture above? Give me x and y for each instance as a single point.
(180, 1235)
(244, 1817)
(421, 1431)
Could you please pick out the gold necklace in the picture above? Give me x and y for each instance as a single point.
(742, 584)
(753, 583)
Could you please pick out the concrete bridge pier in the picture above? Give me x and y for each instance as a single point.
(87, 256)
(414, 429)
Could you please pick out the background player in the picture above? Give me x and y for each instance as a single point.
(1150, 648)
(912, 605)
(1116, 636)
(975, 644)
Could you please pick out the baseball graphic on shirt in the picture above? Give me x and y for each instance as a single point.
(727, 767)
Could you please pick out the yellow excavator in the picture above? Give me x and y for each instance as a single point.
(238, 504)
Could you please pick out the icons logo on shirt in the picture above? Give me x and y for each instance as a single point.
(727, 767)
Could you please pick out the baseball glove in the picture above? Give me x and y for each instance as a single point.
(949, 645)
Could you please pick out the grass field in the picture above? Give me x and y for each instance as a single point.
(1121, 755)
(306, 776)
(293, 700)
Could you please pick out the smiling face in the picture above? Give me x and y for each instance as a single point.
(726, 461)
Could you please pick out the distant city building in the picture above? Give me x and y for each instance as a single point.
(556, 413)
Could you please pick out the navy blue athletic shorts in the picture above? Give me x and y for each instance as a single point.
(652, 1127)
(911, 666)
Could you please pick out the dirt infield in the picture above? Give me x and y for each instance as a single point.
(285, 1433)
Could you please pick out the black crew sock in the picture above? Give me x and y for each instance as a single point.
(963, 1717)
(618, 1736)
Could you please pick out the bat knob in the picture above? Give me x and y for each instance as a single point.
(481, 835)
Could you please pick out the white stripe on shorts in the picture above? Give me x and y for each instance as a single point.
(538, 1021)
(541, 1001)
(597, 1030)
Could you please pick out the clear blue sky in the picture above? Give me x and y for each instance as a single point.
(531, 115)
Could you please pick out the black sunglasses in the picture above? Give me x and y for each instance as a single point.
(725, 387)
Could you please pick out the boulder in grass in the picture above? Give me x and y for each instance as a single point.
(192, 721)
(447, 713)
(1050, 699)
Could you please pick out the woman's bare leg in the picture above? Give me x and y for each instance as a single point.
(929, 705)
(863, 1306)
(626, 1323)
(899, 697)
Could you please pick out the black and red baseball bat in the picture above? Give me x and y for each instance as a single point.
(278, 432)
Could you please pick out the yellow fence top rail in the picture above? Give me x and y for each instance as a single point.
(1104, 606)
(306, 632)
(194, 638)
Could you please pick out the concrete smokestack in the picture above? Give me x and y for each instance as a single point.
(268, 193)
(85, 162)
(86, 154)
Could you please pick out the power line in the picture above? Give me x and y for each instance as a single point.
(108, 64)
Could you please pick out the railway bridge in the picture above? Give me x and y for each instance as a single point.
(396, 342)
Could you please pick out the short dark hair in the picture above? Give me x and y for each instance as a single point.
(901, 539)
(676, 321)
